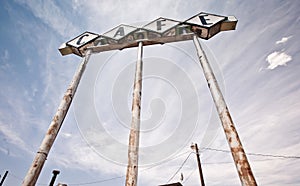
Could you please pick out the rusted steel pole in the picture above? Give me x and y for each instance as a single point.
(195, 146)
(41, 156)
(237, 150)
(133, 148)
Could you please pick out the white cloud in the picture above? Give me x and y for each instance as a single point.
(51, 15)
(66, 135)
(75, 153)
(4, 60)
(115, 13)
(71, 151)
(283, 40)
(13, 137)
(5, 56)
(276, 59)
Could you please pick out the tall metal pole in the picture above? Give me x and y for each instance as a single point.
(133, 149)
(237, 150)
(41, 156)
(2, 181)
(199, 163)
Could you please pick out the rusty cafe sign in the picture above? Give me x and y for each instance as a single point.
(159, 31)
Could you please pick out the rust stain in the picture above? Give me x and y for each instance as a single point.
(234, 142)
(34, 171)
(51, 131)
(237, 150)
(131, 175)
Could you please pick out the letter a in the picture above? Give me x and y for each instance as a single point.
(119, 32)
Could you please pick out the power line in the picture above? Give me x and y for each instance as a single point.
(109, 179)
(119, 177)
(230, 162)
(179, 155)
(85, 183)
(256, 154)
(21, 179)
(180, 167)
(173, 158)
(227, 151)
(189, 176)
(99, 181)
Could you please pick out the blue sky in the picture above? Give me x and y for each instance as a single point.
(257, 66)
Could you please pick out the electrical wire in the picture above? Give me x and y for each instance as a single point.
(227, 151)
(180, 167)
(173, 158)
(86, 183)
(21, 179)
(212, 163)
(119, 177)
(99, 181)
(256, 154)
(189, 176)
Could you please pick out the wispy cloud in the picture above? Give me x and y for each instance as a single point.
(127, 12)
(49, 19)
(5, 55)
(283, 40)
(276, 59)
(4, 65)
(52, 15)
(14, 138)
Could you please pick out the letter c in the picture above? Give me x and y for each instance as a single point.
(79, 39)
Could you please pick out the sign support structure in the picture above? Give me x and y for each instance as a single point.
(41, 156)
(159, 31)
(234, 142)
(133, 148)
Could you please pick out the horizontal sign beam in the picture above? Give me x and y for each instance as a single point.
(134, 43)
(159, 31)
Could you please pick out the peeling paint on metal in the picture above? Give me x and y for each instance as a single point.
(237, 151)
(41, 156)
(132, 168)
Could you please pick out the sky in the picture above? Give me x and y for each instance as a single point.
(257, 67)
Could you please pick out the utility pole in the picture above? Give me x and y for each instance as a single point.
(237, 150)
(133, 149)
(195, 147)
(41, 156)
(2, 181)
(55, 173)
